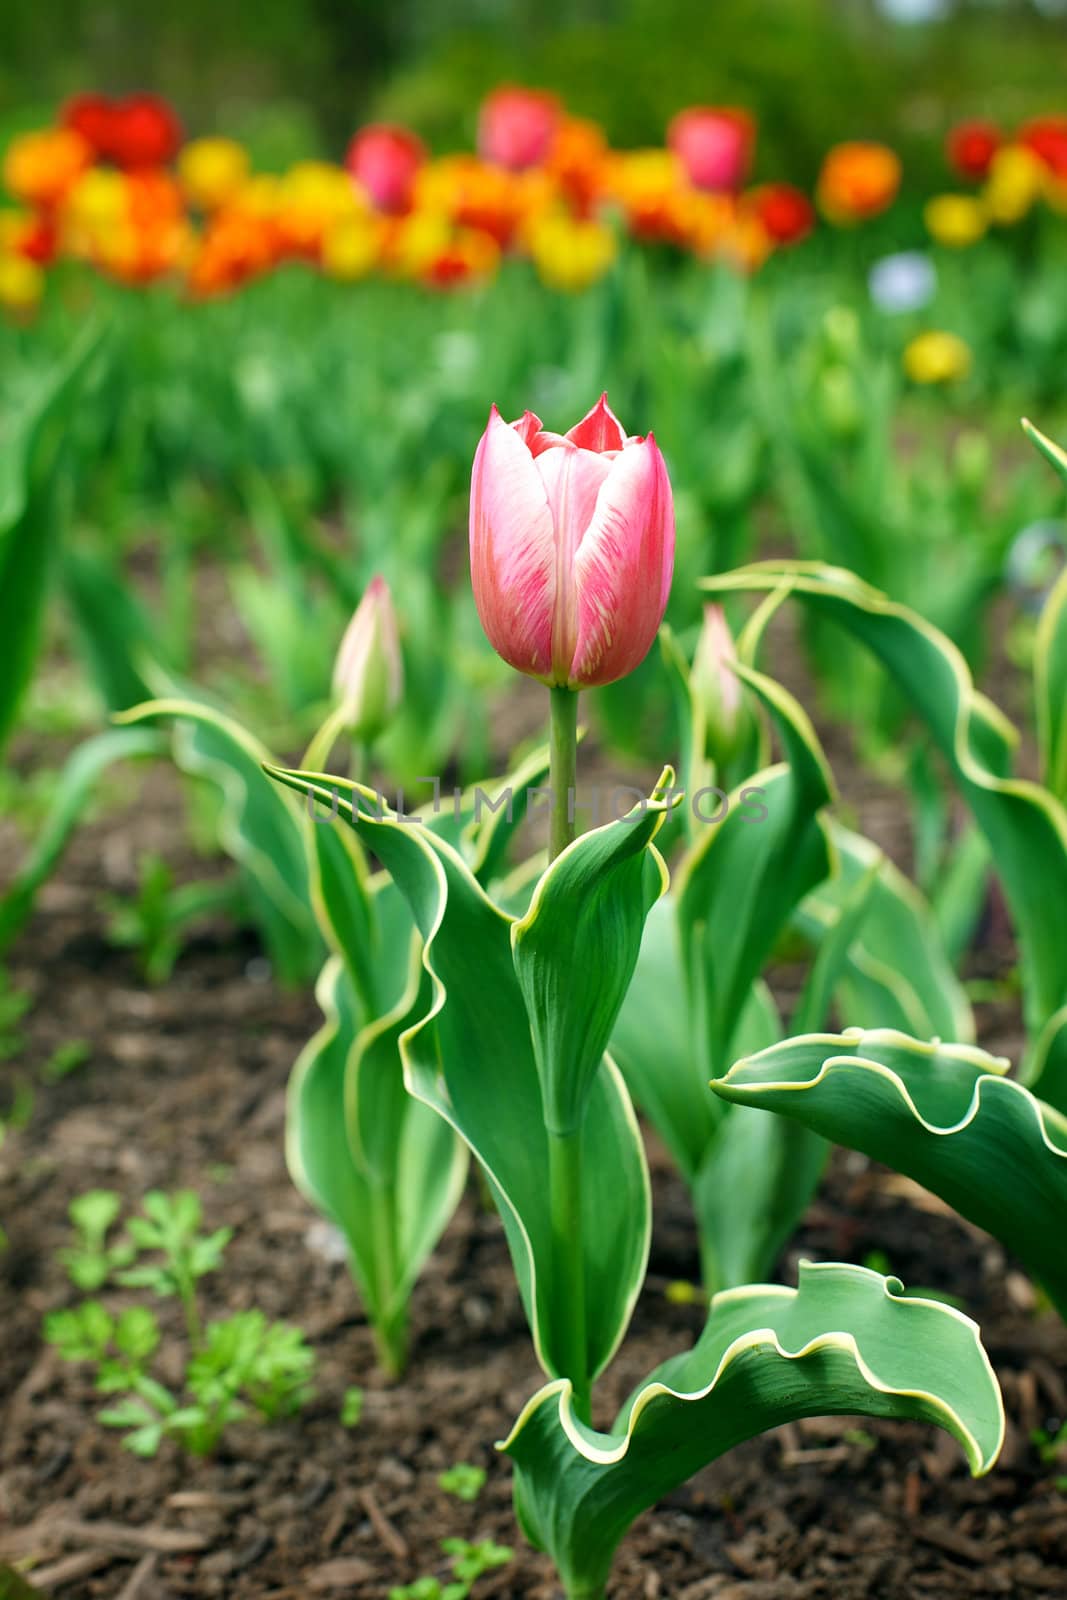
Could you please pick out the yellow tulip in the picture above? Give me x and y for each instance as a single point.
(21, 286)
(955, 220)
(351, 247)
(570, 254)
(937, 357)
(1016, 181)
(212, 171)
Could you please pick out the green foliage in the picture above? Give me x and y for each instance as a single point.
(91, 1261)
(352, 1407)
(153, 923)
(463, 1480)
(845, 1342)
(235, 1367)
(469, 1561)
(944, 1114)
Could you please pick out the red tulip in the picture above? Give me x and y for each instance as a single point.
(970, 148)
(714, 145)
(93, 116)
(517, 127)
(572, 546)
(786, 213)
(145, 132)
(1047, 138)
(384, 160)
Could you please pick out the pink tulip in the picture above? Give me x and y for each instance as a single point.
(384, 160)
(572, 546)
(714, 145)
(517, 127)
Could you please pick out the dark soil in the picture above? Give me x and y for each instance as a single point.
(185, 1087)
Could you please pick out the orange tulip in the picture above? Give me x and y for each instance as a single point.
(858, 180)
(40, 167)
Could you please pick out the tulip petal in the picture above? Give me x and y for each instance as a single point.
(623, 568)
(600, 429)
(573, 479)
(513, 550)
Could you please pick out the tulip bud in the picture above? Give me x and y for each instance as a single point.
(716, 690)
(368, 677)
(572, 546)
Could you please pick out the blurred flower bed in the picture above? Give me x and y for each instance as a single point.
(115, 184)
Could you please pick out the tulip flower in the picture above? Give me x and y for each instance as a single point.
(517, 127)
(93, 116)
(970, 148)
(368, 677)
(212, 171)
(858, 180)
(40, 167)
(144, 132)
(955, 220)
(1017, 179)
(785, 212)
(384, 160)
(937, 357)
(572, 546)
(714, 145)
(1047, 138)
(572, 552)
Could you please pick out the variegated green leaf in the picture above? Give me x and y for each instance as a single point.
(382, 1166)
(847, 1341)
(943, 1114)
(471, 1058)
(1025, 824)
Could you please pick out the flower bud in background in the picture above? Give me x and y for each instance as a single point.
(970, 148)
(517, 127)
(368, 677)
(384, 160)
(716, 690)
(937, 357)
(572, 546)
(714, 145)
(955, 220)
(858, 180)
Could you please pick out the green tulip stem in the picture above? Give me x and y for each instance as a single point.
(565, 1149)
(390, 1325)
(563, 766)
(565, 1209)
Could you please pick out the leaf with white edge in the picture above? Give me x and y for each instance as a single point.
(587, 915)
(1026, 825)
(471, 1058)
(383, 1167)
(845, 1342)
(942, 1114)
